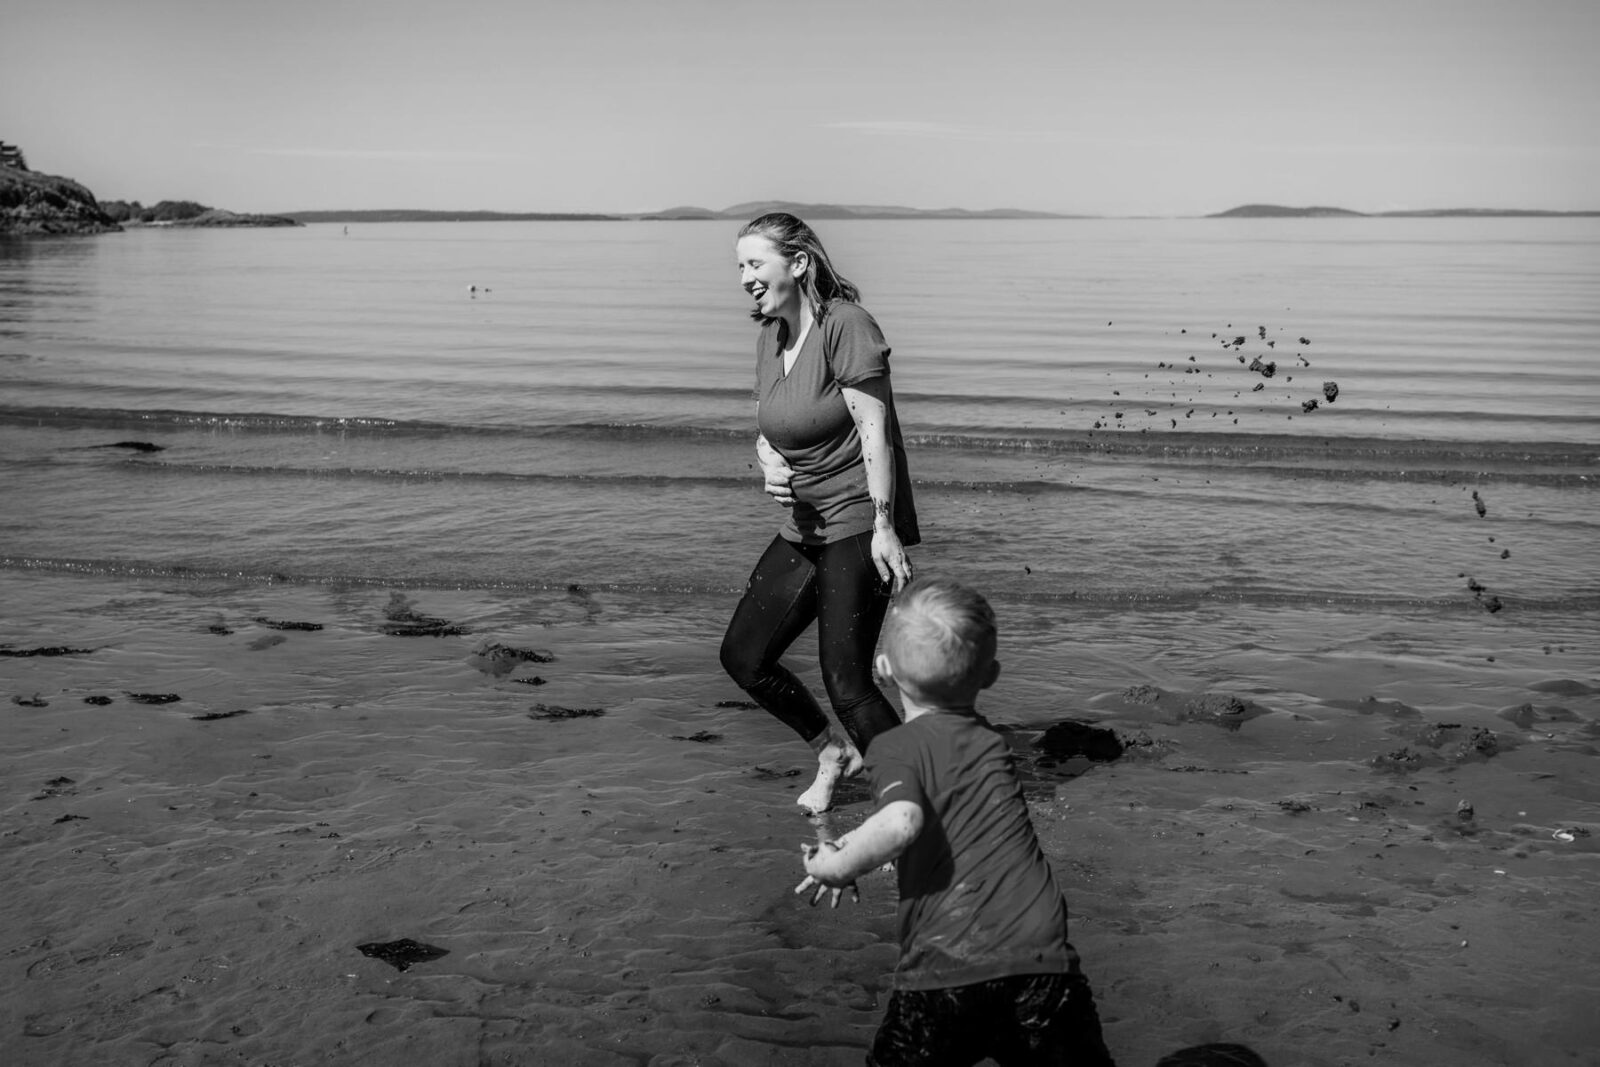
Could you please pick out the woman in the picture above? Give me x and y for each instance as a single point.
(831, 452)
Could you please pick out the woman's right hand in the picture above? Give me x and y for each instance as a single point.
(776, 472)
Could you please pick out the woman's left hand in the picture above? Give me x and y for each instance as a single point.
(889, 556)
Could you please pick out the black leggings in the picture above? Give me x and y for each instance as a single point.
(838, 586)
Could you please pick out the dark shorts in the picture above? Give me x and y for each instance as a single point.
(1033, 1019)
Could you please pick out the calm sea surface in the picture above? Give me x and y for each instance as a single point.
(1084, 422)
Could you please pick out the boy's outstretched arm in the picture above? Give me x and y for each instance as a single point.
(835, 865)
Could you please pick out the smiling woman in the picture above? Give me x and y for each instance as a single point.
(832, 453)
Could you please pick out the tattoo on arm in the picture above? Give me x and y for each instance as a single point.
(881, 508)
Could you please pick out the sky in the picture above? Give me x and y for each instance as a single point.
(1099, 107)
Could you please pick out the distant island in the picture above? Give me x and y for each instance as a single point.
(185, 213)
(1276, 211)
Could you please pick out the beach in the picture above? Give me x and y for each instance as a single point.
(395, 621)
(189, 881)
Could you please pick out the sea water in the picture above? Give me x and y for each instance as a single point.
(540, 404)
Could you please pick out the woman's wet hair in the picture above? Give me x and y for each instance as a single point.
(790, 236)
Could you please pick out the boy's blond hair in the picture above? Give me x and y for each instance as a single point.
(940, 639)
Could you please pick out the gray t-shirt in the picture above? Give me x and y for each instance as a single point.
(803, 415)
(978, 899)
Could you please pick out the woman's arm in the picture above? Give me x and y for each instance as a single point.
(835, 865)
(868, 402)
(775, 470)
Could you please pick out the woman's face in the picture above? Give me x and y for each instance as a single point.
(772, 280)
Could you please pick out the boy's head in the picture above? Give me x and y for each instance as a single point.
(939, 642)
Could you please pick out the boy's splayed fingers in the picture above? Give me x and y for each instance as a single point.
(818, 888)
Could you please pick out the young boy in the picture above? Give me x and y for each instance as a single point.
(985, 968)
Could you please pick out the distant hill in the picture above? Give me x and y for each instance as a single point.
(685, 212)
(1275, 211)
(414, 215)
(34, 203)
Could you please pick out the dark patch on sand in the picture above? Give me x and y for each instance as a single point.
(213, 716)
(73, 818)
(535, 680)
(1072, 737)
(266, 641)
(35, 701)
(48, 650)
(772, 774)
(218, 629)
(282, 624)
(402, 954)
(154, 698)
(403, 620)
(745, 705)
(97, 700)
(137, 446)
(555, 712)
(500, 660)
(704, 737)
(60, 786)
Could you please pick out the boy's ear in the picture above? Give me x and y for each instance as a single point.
(991, 674)
(883, 667)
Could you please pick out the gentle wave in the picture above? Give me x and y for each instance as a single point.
(1418, 456)
(1576, 602)
(1022, 487)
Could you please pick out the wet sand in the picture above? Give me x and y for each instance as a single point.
(602, 842)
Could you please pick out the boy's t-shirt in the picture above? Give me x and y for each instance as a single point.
(803, 415)
(978, 899)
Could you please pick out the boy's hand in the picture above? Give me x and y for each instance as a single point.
(820, 878)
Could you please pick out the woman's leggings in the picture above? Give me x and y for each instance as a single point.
(837, 585)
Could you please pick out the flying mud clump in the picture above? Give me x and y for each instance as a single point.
(1168, 400)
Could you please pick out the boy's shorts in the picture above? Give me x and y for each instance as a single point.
(1030, 1019)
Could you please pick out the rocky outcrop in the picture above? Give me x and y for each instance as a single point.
(34, 203)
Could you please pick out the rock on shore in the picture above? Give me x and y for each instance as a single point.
(33, 203)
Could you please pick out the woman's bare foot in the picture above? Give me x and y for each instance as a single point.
(836, 758)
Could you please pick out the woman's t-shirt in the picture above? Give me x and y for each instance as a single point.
(803, 415)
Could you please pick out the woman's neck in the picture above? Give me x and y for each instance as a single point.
(797, 321)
